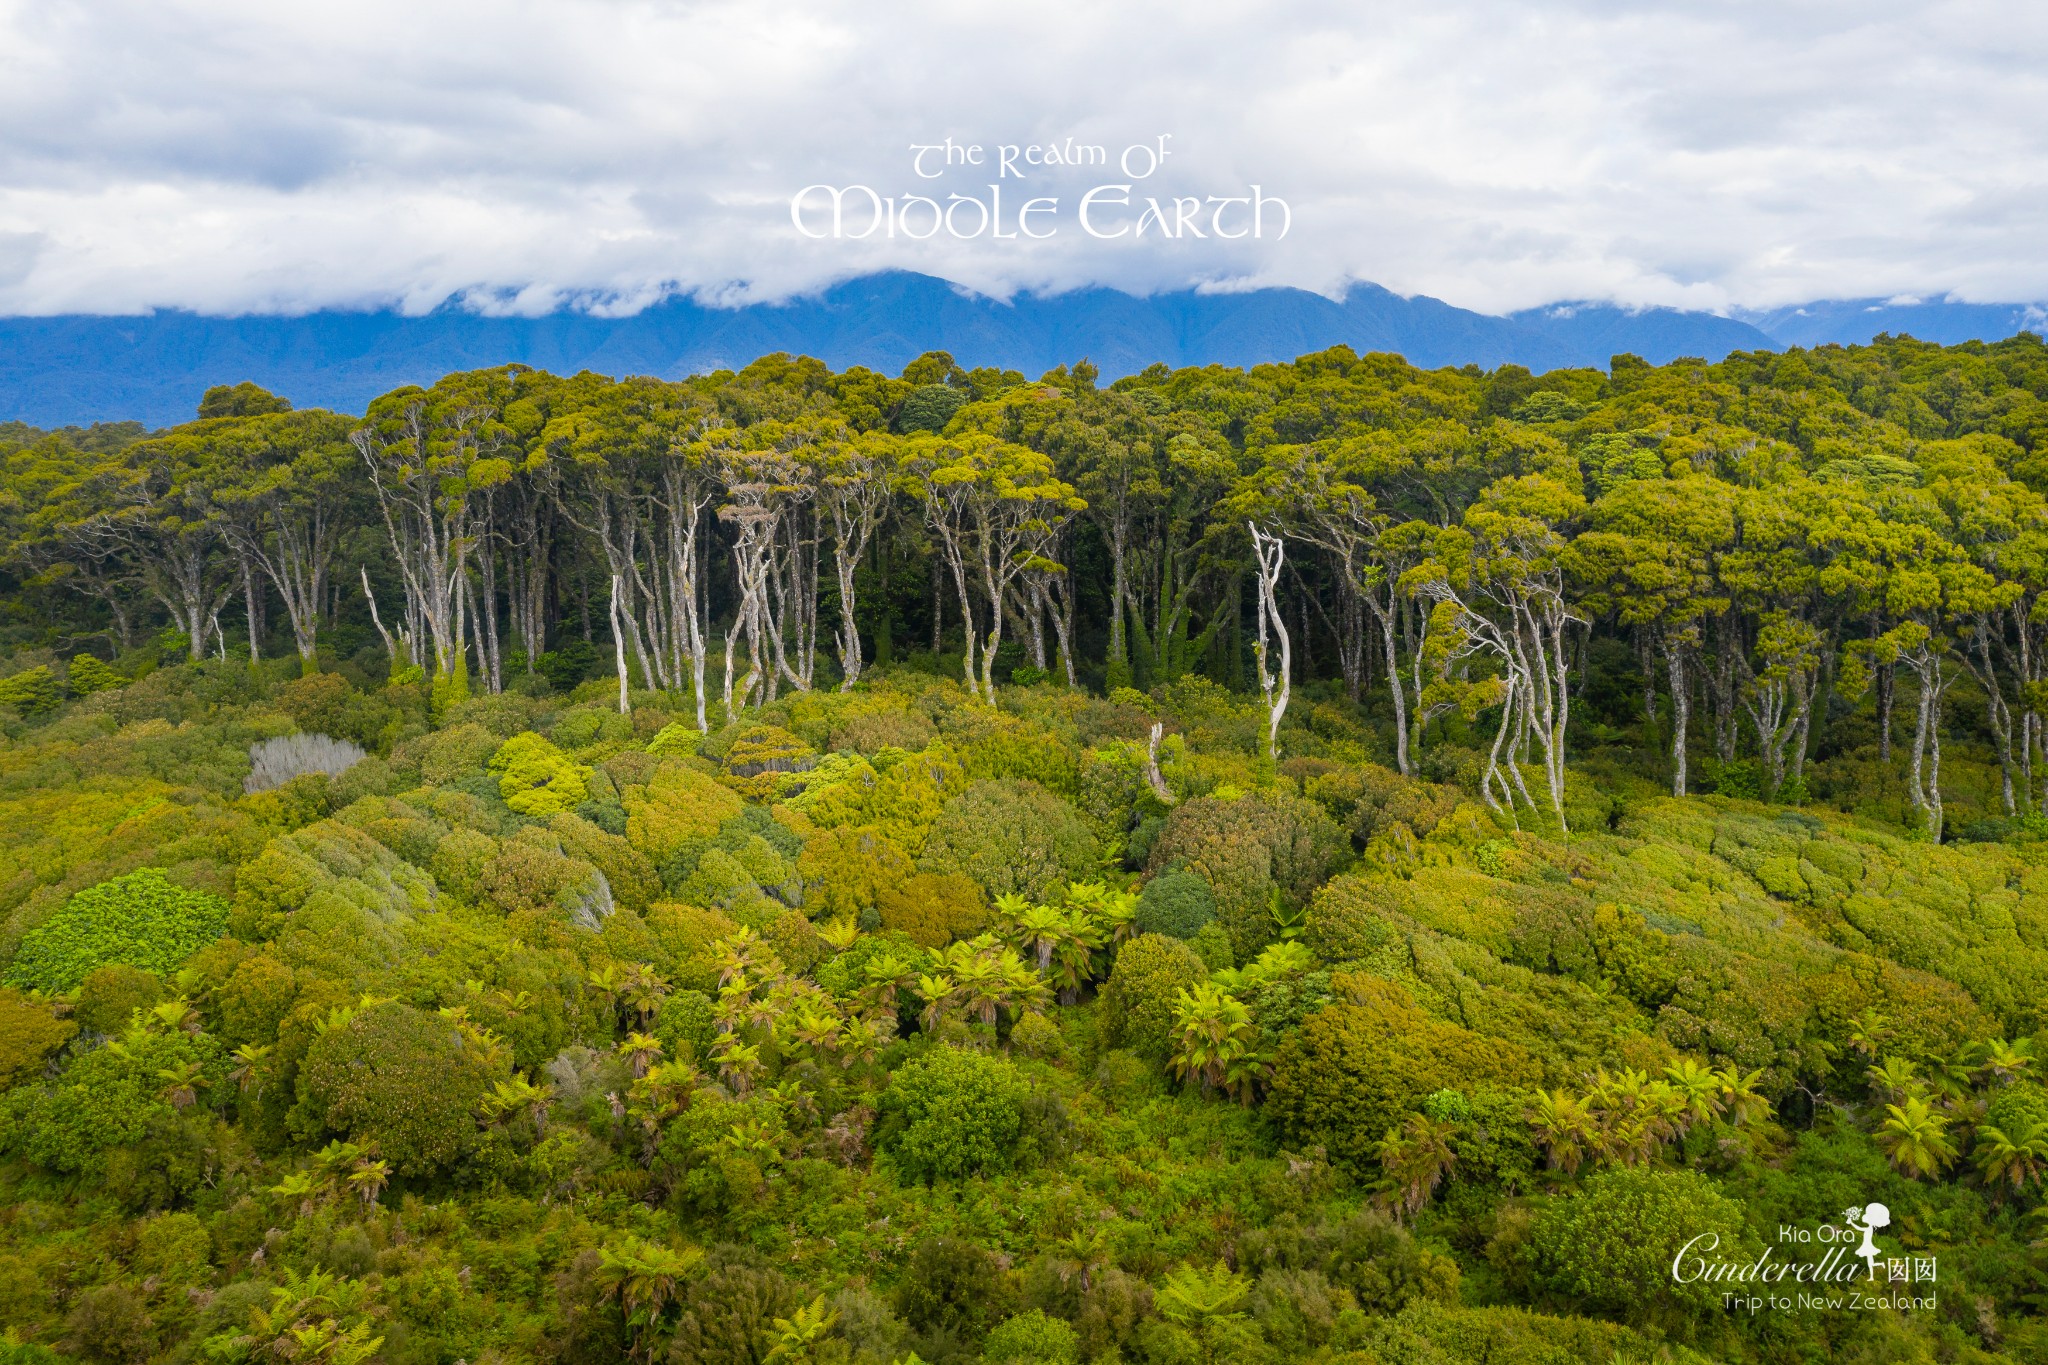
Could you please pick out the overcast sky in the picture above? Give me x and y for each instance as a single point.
(246, 155)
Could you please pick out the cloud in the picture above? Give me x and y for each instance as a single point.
(231, 156)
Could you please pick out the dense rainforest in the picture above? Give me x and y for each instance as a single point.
(1332, 862)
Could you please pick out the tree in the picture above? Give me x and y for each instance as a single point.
(1274, 683)
(951, 1114)
(406, 1081)
(995, 508)
(285, 495)
(1498, 580)
(1915, 1139)
(855, 480)
(430, 455)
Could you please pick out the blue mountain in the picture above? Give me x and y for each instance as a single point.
(77, 369)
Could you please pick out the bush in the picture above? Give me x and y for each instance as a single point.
(1348, 919)
(29, 1033)
(1012, 836)
(536, 778)
(932, 909)
(1137, 1001)
(764, 760)
(1212, 945)
(848, 869)
(454, 752)
(109, 997)
(1608, 1248)
(108, 1098)
(677, 804)
(87, 674)
(953, 1113)
(1355, 1070)
(324, 704)
(685, 1026)
(1032, 1339)
(32, 692)
(728, 1313)
(1176, 903)
(399, 1078)
(1248, 848)
(274, 762)
(139, 920)
(951, 1286)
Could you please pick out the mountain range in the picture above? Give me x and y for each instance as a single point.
(82, 368)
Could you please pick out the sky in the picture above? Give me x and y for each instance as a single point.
(243, 156)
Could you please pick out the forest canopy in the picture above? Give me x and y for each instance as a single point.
(1327, 862)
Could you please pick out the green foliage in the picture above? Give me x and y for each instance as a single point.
(1608, 1248)
(399, 1079)
(1248, 850)
(689, 1046)
(140, 920)
(109, 1098)
(1137, 1002)
(32, 692)
(88, 673)
(109, 996)
(1032, 1339)
(953, 1113)
(1176, 903)
(536, 778)
(1355, 1068)
(29, 1033)
(1011, 837)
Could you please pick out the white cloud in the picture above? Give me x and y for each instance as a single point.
(229, 156)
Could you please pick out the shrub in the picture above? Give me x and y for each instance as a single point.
(932, 909)
(1176, 903)
(1137, 1001)
(903, 803)
(728, 1313)
(110, 1325)
(685, 1025)
(1036, 1035)
(1012, 836)
(536, 778)
(1608, 1249)
(870, 731)
(454, 752)
(676, 805)
(107, 1098)
(795, 940)
(324, 704)
(1246, 849)
(1032, 1339)
(632, 877)
(1348, 919)
(1354, 1070)
(1212, 945)
(109, 997)
(87, 674)
(32, 692)
(29, 1033)
(950, 1286)
(764, 759)
(399, 1078)
(848, 869)
(140, 920)
(953, 1113)
(274, 762)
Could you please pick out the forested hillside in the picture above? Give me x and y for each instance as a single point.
(1333, 862)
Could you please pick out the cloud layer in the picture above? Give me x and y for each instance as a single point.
(234, 156)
